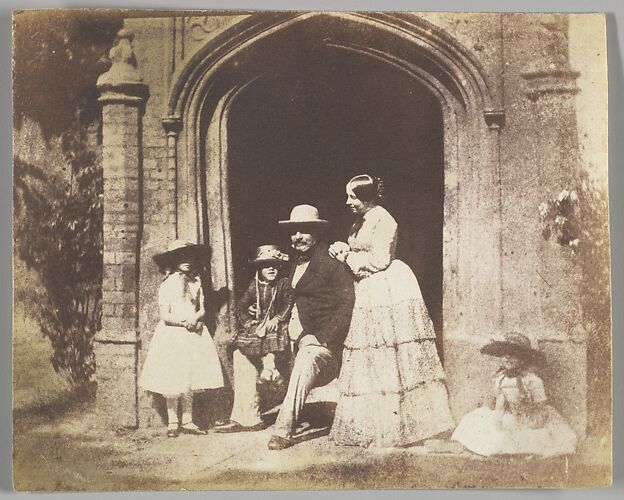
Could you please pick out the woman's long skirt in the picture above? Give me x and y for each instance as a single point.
(392, 385)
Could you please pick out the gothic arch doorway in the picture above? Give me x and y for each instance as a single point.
(413, 106)
(299, 133)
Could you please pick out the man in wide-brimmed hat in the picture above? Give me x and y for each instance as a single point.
(323, 297)
(323, 302)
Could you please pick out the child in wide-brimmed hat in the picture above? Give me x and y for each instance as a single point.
(264, 310)
(519, 421)
(181, 358)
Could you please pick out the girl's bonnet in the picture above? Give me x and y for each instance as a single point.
(516, 345)
(181, 251)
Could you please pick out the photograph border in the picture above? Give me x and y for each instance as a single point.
(615, 41)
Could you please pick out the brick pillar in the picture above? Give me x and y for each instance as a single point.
(123, 95)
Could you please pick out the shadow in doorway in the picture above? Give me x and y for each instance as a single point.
(301, 132)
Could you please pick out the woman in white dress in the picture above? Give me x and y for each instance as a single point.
(392, 385)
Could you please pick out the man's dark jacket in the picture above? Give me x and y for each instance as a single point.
(324, 297)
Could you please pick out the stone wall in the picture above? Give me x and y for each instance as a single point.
(540, 159)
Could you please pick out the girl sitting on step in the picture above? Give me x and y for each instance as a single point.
(519, 419)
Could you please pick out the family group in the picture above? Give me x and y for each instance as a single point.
(347, 310)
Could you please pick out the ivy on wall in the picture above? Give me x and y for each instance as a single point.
(58, 208)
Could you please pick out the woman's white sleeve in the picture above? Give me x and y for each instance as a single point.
(535, 388)
(379, 255)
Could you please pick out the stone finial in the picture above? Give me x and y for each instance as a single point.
(123, 69)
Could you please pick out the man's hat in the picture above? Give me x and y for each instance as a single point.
(514, 344)
(305, 217)
(268, 254)
(180, 251)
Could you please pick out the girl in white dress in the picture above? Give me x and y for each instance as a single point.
(182, 358)
(392, 385)
(518, 419)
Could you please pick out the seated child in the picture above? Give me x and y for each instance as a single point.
(264, 310)
(519, 420)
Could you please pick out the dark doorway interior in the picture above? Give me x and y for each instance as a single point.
(300, 132)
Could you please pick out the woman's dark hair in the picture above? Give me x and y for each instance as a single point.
(368, 189)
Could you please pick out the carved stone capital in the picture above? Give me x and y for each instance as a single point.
(552, 81)
(172, 125)
(494, 118)
(129, 93)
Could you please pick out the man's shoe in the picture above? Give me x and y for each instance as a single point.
(279, 443)
(230, 426)
(173, 433)
(233, 426)
(260, 426)
(302, 427)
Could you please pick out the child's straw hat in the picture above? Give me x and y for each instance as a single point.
(180, 251)
(516, 345)
(268, 254)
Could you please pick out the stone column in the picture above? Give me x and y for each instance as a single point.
(123, 95)
(474, 312)
(550, 89)
(172, 126)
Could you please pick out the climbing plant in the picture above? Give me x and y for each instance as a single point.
(58, 208)
(578, 220)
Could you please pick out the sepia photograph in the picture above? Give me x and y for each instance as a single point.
(301, 250)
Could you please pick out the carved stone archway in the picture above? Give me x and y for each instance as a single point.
(205, 88)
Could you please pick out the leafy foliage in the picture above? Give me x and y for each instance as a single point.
(560, 218)
(595, 259)
(58, 219)
(58, 56)
(578, 220)
(60, 237)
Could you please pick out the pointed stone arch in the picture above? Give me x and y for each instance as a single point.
(206, 86)
(458, 69)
